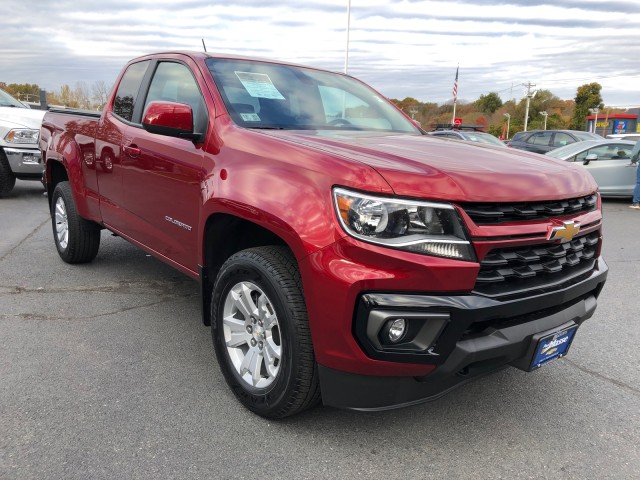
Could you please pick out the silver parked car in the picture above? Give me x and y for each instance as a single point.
(607, 160)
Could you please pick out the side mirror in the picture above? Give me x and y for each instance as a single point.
(589, 158)
(171, 119)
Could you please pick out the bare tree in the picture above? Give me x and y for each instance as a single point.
(66, 97)
(81, 95)
(100, 91)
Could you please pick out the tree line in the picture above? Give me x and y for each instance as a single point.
(82, 96)
(489, 110)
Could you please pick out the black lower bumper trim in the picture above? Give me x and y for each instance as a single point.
(470, 358)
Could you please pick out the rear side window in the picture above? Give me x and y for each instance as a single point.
(562, 139)
(125, 99)
(542, 138)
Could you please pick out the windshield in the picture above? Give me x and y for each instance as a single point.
(7, 100)
(266, 95)
(480, 137)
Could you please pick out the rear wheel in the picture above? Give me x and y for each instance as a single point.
(7, 178)
(77, 239)
(261, 333)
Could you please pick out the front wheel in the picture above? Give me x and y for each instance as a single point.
(261, 333)
(7, 178)
(77, 239)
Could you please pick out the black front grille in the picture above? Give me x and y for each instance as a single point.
(507, 271)
(492, 213)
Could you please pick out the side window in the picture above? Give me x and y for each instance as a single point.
(606, 152)
(581, 156)
(125, 99)
(623, 151)
(174, 82)
(340, 106)
(562, 139)
(542, 138)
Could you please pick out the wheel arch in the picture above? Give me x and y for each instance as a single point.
(55, 173)
(224, 235)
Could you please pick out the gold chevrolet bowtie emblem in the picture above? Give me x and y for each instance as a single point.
(564, 232)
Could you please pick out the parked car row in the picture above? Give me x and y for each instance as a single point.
(607, 160)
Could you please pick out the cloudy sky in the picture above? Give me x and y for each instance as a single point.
(402, 48)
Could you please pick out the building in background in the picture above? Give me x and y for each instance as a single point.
(614, 123)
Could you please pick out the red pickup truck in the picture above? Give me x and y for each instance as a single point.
(343, 255)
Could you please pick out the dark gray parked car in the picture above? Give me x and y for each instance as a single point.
(543, 141)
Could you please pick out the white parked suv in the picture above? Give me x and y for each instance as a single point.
(19, 154)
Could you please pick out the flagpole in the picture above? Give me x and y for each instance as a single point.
(346, 55)
(455, 95)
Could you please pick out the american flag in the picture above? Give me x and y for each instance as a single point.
(455, 86)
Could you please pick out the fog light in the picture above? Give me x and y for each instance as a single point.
(397, 329)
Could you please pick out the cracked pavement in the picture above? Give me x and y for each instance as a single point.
(106, 371)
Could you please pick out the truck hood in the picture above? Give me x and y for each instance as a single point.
(21, 117)
(428, 167)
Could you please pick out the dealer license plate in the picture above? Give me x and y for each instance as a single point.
(553, 346)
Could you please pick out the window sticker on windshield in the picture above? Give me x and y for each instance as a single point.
(259, 85)
(250, 117)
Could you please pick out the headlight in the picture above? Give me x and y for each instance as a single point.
(22, 135)
(421, 227)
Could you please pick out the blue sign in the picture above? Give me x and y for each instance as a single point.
(553, 346)
(619, 126)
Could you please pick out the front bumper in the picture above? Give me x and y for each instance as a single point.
(481, 335)
(25, 163)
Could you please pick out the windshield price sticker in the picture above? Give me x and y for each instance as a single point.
(250, 117)
(259, 85)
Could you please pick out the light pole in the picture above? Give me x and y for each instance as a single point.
(508, 124)
(544, 114)
(595, 122)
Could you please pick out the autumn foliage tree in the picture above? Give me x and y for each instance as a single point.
(489, 103)
(588, 96)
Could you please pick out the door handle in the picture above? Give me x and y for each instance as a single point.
(131, 150)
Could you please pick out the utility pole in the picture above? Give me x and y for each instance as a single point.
(530, 94)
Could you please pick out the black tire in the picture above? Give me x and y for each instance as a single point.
(81, 240)
(272, 279)
(7, 178)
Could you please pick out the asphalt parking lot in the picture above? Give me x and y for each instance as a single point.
(106, 372)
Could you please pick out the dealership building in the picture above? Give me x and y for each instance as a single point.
(614, 123)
